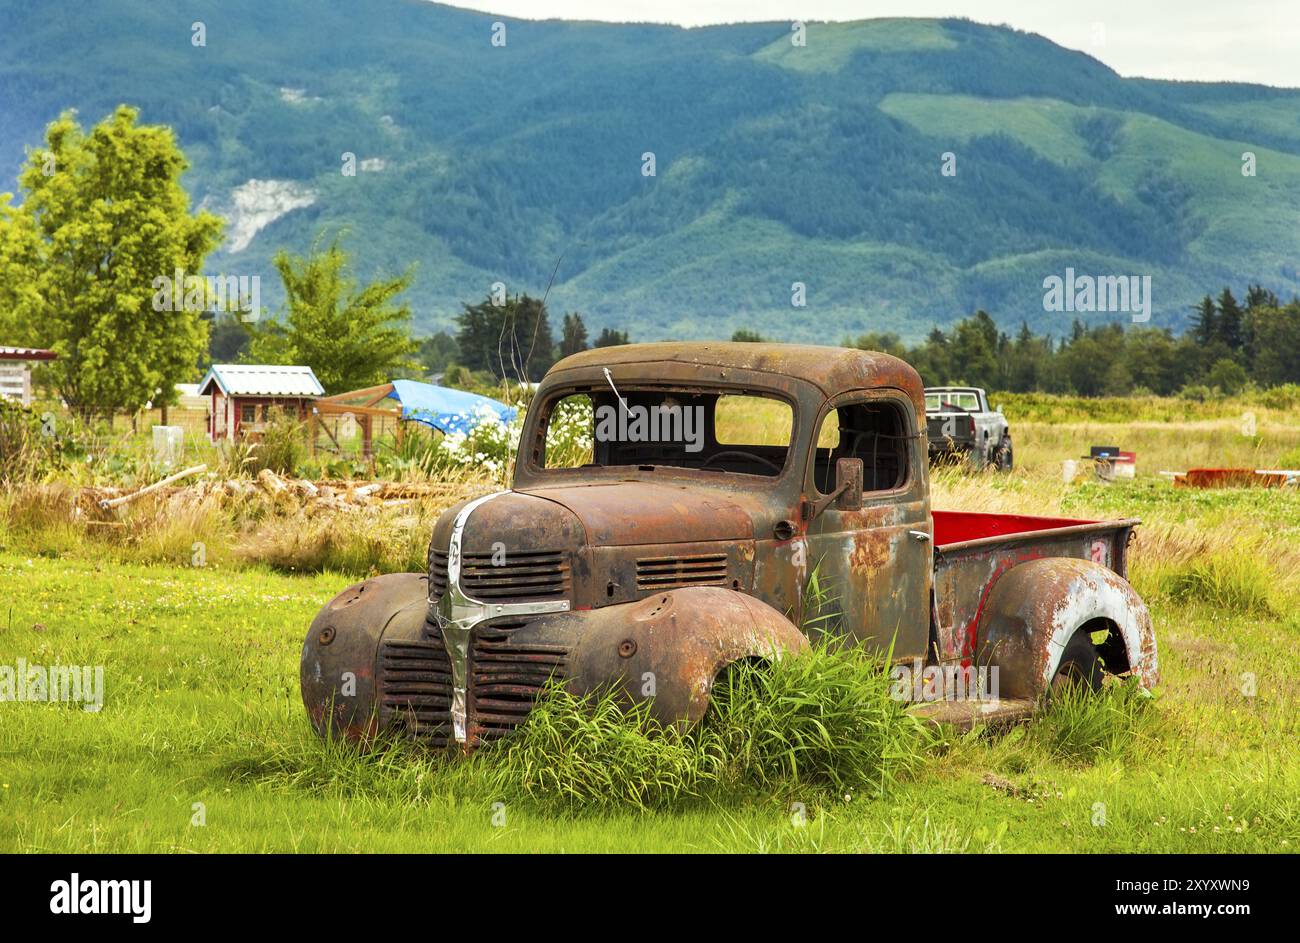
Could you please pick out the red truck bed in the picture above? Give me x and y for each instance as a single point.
(956, 527)
(971, 550)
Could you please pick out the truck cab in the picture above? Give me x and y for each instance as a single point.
(679, 507)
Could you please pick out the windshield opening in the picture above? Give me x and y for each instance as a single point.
(716, 431)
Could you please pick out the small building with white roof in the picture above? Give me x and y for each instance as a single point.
(16, 371)
(242, 395)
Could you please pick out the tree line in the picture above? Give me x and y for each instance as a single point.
(1230, 344)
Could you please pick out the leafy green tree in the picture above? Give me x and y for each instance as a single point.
(746, 336)
(573, 335)
(1084, 364)
(1277, 332)
(512, 340)
(103, 217)
(1154, 360)
(1118, 380)
(887, 342)
(352, 337)
(1228, 376)
(17, 248)
(438, 352)
(227, 340)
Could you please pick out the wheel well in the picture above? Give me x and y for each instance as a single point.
(1109, 642)
(757, 661)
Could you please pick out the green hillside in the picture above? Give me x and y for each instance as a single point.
(775, 163)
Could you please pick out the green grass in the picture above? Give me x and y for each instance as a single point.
(202, 706)
(818, 724)
(829, 47)
(1045, 125)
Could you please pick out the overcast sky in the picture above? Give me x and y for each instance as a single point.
(1226, 40)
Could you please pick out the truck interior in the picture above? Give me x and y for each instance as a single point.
(875, 432)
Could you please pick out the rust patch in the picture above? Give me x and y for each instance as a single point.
(870, 550)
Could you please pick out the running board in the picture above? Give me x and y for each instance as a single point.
(966, 714)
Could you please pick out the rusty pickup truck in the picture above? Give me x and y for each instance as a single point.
(671, 506)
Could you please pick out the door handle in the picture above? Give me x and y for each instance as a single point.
(919, 535)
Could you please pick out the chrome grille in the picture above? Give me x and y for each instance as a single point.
(437, 573)
(415, 687)
(539, 574)
(704, 569)
(506, 676)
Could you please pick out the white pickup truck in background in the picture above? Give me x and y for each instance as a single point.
(961, 426)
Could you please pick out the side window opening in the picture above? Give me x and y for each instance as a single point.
(875, 432)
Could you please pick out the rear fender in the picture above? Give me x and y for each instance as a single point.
(1034, 609)
(672, 645)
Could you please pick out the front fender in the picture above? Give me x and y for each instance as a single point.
(673, 645)
(1035, 608)
(337, 667)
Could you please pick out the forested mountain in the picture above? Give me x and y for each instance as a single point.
(774, 163)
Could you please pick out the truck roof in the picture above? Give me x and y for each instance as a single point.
(833, 369)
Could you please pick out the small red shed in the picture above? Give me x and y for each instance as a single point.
(16, 371)
(241, 395)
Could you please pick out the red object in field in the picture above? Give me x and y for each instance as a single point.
(954, 527)
(1229, 478)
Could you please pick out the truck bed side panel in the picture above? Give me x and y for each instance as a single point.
(966, 572)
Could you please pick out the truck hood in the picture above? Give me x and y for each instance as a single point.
(619, 514)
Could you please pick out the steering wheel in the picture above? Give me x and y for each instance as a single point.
(743, 454)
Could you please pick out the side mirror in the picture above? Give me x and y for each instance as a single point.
(848, 484)
(998, 410)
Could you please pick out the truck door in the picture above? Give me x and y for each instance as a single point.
(872, 567)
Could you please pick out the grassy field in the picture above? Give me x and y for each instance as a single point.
(202, 743)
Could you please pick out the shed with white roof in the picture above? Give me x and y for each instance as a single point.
(242, 395)
(16, 371)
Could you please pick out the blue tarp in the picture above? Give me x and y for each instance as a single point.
(446, 409)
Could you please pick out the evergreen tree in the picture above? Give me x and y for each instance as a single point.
(573, 335)
(1205, 321)
(1230, 321)
(512, 340)
(611, 338)
(1257, 296)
